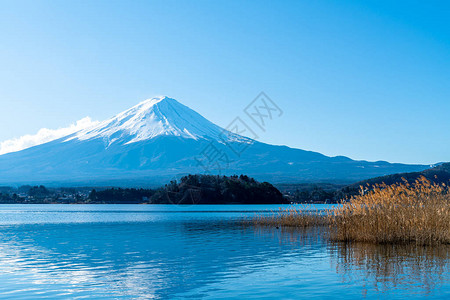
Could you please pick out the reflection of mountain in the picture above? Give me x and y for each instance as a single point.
(160, 138)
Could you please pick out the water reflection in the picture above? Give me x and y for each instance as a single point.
(123, 259)
(204, 256)
(388, 267)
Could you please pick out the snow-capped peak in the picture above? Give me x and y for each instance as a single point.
(159, 116)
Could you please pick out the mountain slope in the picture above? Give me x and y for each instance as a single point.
(438, 174)
(160, 138)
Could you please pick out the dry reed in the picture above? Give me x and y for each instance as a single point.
(400, 213)
(305, 216)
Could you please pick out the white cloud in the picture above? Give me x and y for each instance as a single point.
(44, 135)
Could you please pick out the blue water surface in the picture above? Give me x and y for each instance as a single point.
(204, 251)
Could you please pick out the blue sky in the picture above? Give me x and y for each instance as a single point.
(368, 79)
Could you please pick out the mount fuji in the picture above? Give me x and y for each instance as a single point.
(160, 139)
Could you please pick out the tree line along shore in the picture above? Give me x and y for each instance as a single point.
(211, 189)
(403, 212)
(191, 189)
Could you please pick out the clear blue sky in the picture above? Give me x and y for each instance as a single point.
(365, 79)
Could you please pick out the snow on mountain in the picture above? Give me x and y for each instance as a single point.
(155, 117)
(160, 138)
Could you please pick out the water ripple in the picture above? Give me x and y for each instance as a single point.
(87, 252)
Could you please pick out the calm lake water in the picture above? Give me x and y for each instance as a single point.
(175, 252)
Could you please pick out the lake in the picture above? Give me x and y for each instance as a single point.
(176, 252)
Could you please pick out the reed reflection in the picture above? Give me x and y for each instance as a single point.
(388, 267)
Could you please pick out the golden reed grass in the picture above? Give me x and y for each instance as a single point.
(400, 213)
(304, 216)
